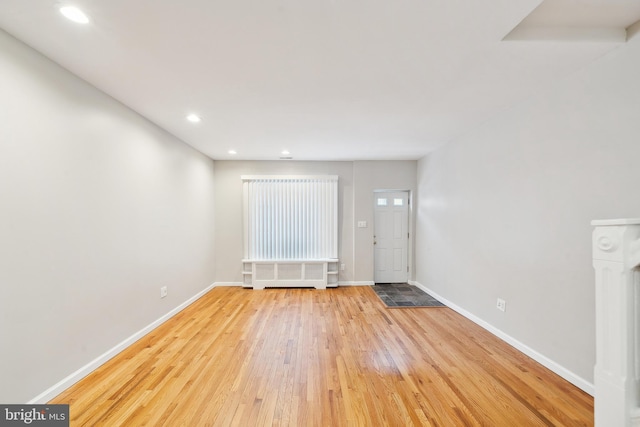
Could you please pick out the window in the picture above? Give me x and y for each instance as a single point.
(382, 202)
(397, 202)
(290, 217)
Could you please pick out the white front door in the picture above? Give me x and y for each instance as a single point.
(391, 237)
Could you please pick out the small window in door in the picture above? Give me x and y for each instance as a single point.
(382, 202)
(398, 202)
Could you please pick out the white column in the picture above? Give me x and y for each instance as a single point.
(616, 256)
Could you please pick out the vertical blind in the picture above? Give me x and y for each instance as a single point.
(290, 217)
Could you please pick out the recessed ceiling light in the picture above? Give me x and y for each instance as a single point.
(232, 152)
(74, 14)
(285, 152)
(194, 118)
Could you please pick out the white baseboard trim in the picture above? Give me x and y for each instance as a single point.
(365, 283)
(574, 379)
(70, 380)
(221, 284)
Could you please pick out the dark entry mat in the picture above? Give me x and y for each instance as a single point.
(398, 295)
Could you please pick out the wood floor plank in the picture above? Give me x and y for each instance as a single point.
(335, 357)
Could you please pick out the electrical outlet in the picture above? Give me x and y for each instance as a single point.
(501, 305)
(163, 292)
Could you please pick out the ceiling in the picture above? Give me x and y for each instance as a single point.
(323, 79)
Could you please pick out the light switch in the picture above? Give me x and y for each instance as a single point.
(362, 224)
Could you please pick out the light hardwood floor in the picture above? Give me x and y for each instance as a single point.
(304, 357)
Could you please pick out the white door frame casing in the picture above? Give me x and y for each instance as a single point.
(404, 274)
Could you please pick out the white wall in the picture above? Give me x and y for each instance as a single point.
(504, 211)
(99, 209)
(357, 180)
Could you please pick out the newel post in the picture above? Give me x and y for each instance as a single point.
(616, 256)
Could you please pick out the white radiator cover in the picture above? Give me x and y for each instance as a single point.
(317, 273)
